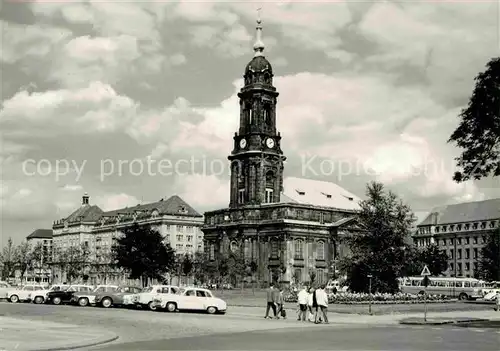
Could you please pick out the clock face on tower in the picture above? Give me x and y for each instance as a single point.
(243, 143)
(270, 143)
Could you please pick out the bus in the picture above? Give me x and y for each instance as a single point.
(461, 288)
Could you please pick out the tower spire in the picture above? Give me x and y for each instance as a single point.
(258, 47)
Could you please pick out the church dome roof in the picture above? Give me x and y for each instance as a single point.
(259, 64)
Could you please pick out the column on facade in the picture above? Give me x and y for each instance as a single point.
(235, 169)
(260, 181)
(253, 181)
(288, 260)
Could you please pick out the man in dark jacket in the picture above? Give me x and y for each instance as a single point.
(271, 301)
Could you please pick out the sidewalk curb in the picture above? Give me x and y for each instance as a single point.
(430, 321)
(109, 337)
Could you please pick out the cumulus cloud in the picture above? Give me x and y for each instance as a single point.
(377, 85)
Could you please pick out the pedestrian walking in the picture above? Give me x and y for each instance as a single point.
(302, 298)
(271, 301)
(279, 304)
(498, 301)
(322, 305)
(310, 301)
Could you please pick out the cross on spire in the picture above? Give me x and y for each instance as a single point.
(259, 47)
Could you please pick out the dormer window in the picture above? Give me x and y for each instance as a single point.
(154, 214)
(328, 196)
(183, 210)
(300, 192)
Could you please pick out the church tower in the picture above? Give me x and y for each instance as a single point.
(257, 158)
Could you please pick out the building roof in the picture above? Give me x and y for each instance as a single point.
(172, 206)
(464, 212)
(86, 213)
(40, 234)
(318, 193)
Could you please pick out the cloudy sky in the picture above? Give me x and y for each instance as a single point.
(93, 91)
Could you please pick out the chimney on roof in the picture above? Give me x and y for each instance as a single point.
(85, 199)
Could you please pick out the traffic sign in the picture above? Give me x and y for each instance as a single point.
(425, 271)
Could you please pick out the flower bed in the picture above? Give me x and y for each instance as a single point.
(362, 298)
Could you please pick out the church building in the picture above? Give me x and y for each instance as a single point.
(292, 228)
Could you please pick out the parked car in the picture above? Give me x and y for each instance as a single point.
(191, 299)
(4, 288)
(39, 296)
(23, 293)
(66, 293)
(146, 296)
(491, 295)
(123, 296)
(84, 298)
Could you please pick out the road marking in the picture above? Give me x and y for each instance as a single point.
(478, 330)
(436, 328)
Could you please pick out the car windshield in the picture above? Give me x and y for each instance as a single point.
(147, 289)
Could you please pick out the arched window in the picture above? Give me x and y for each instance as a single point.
(299, 249)
(320, 250)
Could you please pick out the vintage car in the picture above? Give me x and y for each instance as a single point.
(146, 296)
(4, 288)
(66, 293)
(39, 296)
(123, 296)
(191, 299)
(23, 294)
(84, 298)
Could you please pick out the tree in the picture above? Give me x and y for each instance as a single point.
(478, 133)
(489, 262)
(8, 259)
(141, 251)
(252, 268)
(312, 277)
(187, 265)
(202, 268)
(380, 250)
(73, 260)
(432, 256)
(38, 259)
(104, 264)
(236, 268)
(23, 258)
(222, 266)
(435, 259)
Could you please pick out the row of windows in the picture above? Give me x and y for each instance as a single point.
(180, 237)
(268, 197)
(451, 241)
(459, 227)
(475, 240)
(299, 250)
(275, 249)
(189, 247)
(180, 228)
(467, 253)
(467, 267)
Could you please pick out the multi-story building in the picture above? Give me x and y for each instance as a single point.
(461, 230)
(96, 230)
(41, 270)
(288, 227)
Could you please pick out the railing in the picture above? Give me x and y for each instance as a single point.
(252, 215)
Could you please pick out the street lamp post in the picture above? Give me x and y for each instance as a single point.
(370, 291)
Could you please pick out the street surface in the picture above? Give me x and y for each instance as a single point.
(243, 328)
(393, 338)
